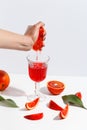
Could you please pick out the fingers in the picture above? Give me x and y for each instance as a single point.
(33, 32)
(35, 27)
(39, 24)
(27, 30)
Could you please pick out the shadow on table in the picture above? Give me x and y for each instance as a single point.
(11, 91)
(56, 118)
(45, 91)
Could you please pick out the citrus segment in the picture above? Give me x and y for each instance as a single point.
(63, 113)
(32, 104)
(36, 116)
(53, 105)
(4, 80)
(55, 87)
(79, 95)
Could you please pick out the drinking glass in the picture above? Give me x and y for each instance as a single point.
(37, 71)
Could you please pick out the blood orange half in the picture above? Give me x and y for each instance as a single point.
(55, 87)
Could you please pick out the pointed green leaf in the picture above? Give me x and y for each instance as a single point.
(11, 103)
(73, 100)
(7, 102)
(1, 98)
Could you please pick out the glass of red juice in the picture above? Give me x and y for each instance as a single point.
(37, 70)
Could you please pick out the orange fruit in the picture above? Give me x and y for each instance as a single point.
(4, 80)
(53, 105)
(32, 104)
(38, 45)
(63, 113)
(55, 87)
(36, 116)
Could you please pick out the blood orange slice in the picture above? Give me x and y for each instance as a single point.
(55, 87)
(53, 105)
(63, 113)
(79, 95)
(32, 104)
(36, 116)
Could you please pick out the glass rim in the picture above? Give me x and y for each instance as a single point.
(41, 58)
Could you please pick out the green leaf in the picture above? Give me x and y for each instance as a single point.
(1, 98)
(73, 100)
(7, 102)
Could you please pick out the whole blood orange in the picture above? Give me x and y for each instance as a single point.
(55, 87)
(4, 80)
(32, 104)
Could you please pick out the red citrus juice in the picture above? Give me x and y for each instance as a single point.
(37, 71)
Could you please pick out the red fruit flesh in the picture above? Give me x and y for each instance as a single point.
(53, 105)
(36, 116)
(39, 43)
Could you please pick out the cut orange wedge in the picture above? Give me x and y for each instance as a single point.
(55, 87)
(63, 113)
(36, 116)
(79, 95)
(53, 105)
(32, 104)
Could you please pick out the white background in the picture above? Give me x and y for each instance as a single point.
(66, 41)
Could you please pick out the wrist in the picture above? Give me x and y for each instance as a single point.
(26, 42)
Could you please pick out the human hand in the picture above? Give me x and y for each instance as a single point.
(33, 31)
(11, 40)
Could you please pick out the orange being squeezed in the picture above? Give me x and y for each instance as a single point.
(39, 43)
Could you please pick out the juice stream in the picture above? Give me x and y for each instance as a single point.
(37, 53)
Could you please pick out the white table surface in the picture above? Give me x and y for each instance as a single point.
(21, 85)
